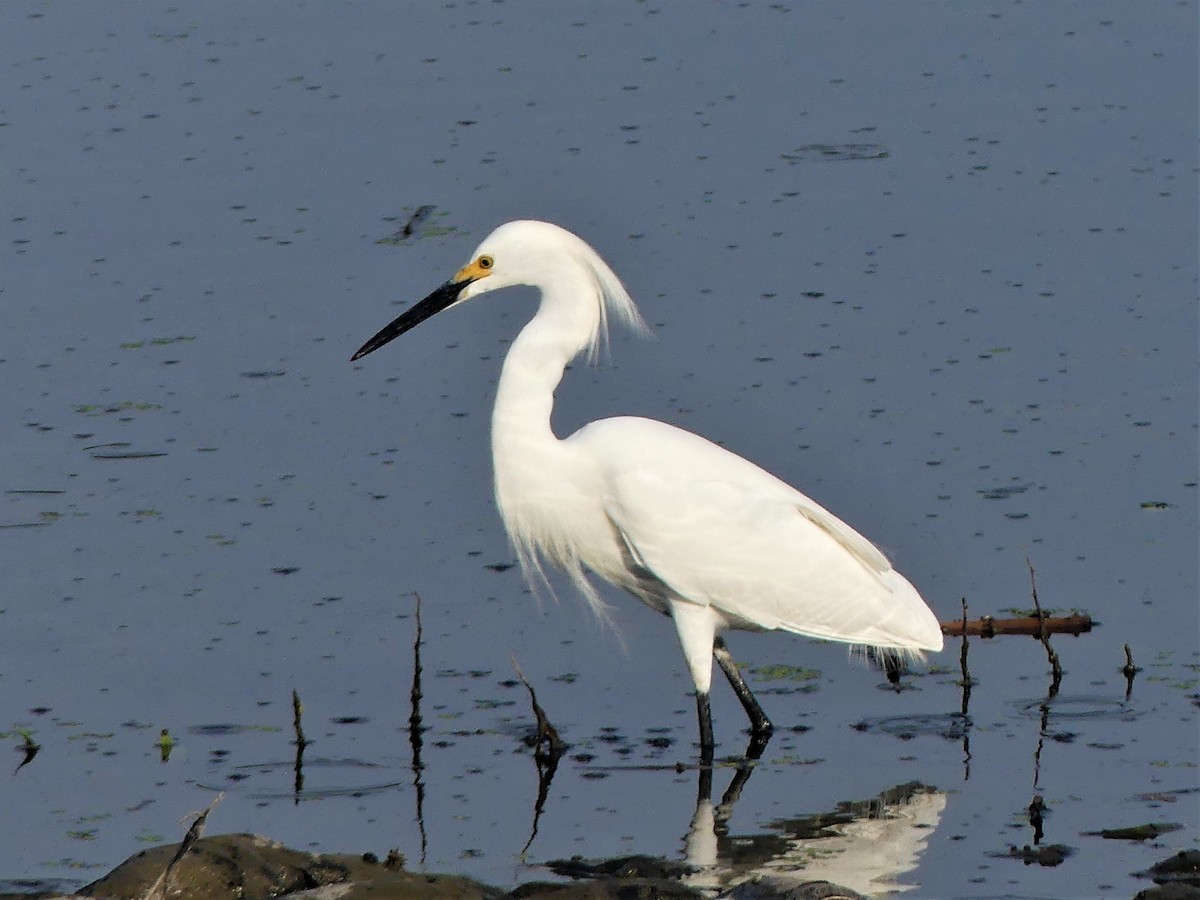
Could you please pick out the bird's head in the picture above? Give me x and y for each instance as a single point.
(530, 253)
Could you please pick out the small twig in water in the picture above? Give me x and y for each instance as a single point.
(158, 890)
(297, 712)
(1037, 810)
(1129, 670)
(300, 743)
(29, 747)
(545, 731)
(546, 760)
(1043, 636)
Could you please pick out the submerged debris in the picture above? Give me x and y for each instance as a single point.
(1048, 856)
(1136, 832)
(836, 152)
(410, 228)
(1181, 869)
(988, 626)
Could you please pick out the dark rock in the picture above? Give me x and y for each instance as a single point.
(253, 868)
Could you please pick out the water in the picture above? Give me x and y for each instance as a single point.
(966, 322)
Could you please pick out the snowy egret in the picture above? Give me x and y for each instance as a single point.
(689, 528)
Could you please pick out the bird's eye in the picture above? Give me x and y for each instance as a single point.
(485, 262)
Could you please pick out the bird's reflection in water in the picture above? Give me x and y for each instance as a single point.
(866, 845)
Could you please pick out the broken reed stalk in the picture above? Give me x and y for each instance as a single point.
(962, 661)
(1129, 670)
(989, 627)
(1042, 634)
(545, 731)
(158, 890)
(29, 747)
(415, 695)
(297, 712)
(300, 743)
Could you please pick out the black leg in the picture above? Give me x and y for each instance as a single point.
(760, 725)
(704, 712)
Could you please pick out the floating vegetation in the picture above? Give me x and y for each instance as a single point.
(790, 759)
(788, 679)
(782, 672)
(1003, 493)
(1145, 832)
(102, 452)
(157, 342)
(419, 224)
(836, 152)
(223, 729)
(98, 409)
(493, 704)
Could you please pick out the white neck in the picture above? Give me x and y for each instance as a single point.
(534, 367)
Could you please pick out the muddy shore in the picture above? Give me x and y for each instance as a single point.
(248, 866)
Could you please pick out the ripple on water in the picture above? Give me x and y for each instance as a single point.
(1080, 707)
(950, 726)
(316, 781)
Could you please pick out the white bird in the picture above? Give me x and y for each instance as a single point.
(689, 528)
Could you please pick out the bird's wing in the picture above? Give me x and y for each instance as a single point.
(870, 556)
(763, 557)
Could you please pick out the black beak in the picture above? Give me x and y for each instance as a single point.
(444, 296)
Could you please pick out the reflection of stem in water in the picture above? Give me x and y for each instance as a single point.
(1055, 681)
(415, 729)
(1043, 727)
(547, 765)
(966, 696)
(301, 742)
